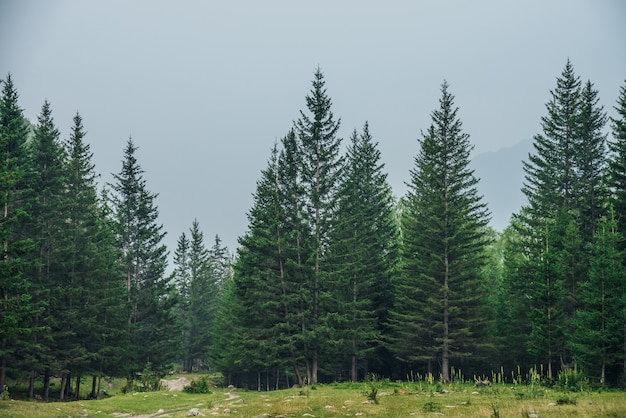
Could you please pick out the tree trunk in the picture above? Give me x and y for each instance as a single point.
(77, 393)
(94, 381)
(296, 371)
(46, 384)
(31, 385)
(314, 368)
(63, 383)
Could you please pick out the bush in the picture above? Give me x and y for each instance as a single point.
(572, 381)
(372, 384)
(198, 386)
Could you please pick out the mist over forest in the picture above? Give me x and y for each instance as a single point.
(507, 260)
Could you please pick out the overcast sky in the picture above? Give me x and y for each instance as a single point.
(205, 87)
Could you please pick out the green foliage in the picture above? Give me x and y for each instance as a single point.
(372, 385)
(198, 386)
(572, 381)
(439, 312)
(431, 406)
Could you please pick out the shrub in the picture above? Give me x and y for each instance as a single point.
(572, 381)
(198, 386)
(372, 385)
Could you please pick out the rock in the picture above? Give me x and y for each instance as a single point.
(194, 412)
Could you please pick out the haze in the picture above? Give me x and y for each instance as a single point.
(205, 87)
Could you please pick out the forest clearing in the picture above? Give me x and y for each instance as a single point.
(368, 399)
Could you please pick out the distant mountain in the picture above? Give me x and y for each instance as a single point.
(501, 179)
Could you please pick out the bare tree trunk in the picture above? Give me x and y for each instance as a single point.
(46, 384)
(296, 371)
(94, 382)
(63, 384)
(77, 393)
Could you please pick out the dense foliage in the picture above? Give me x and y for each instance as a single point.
(335, 279)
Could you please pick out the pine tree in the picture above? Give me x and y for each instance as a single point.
(15, 296)
(362, 252)
(321, 163)
(437, 314)
(149, 294)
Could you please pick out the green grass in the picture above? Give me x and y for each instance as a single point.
(339, 400)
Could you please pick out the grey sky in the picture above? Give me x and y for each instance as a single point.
(206, 87)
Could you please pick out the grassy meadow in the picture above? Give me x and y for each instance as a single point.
(365, 399)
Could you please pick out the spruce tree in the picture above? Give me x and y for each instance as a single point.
(437, 314)
(15, 297)
(599, 340)
(257, 279)
(565, 192)
(45, 197)
(150, 296)
(321, 163)
(89, 261)
(362, 253)
(203, 288)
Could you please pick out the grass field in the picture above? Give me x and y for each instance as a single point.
(379, 399)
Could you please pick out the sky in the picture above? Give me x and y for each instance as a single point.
(205, 88)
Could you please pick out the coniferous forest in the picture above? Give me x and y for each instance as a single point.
(335, 279)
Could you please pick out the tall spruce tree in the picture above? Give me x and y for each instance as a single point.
(598, 343)
(564, 188)
(89, 262)
(362, 254)
(15, 295)
(321, 170)
(437, 315)
(46, 204)
(258, 278)
(149, 294)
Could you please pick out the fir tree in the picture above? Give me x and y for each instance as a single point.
(149, 294)
(321, 163)
(564, 188)
(15, 296)
(203, 288)
(599, 339)
(46, 177)
(362, 253)
(89, 261)
(437, 315)
(257, 278)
